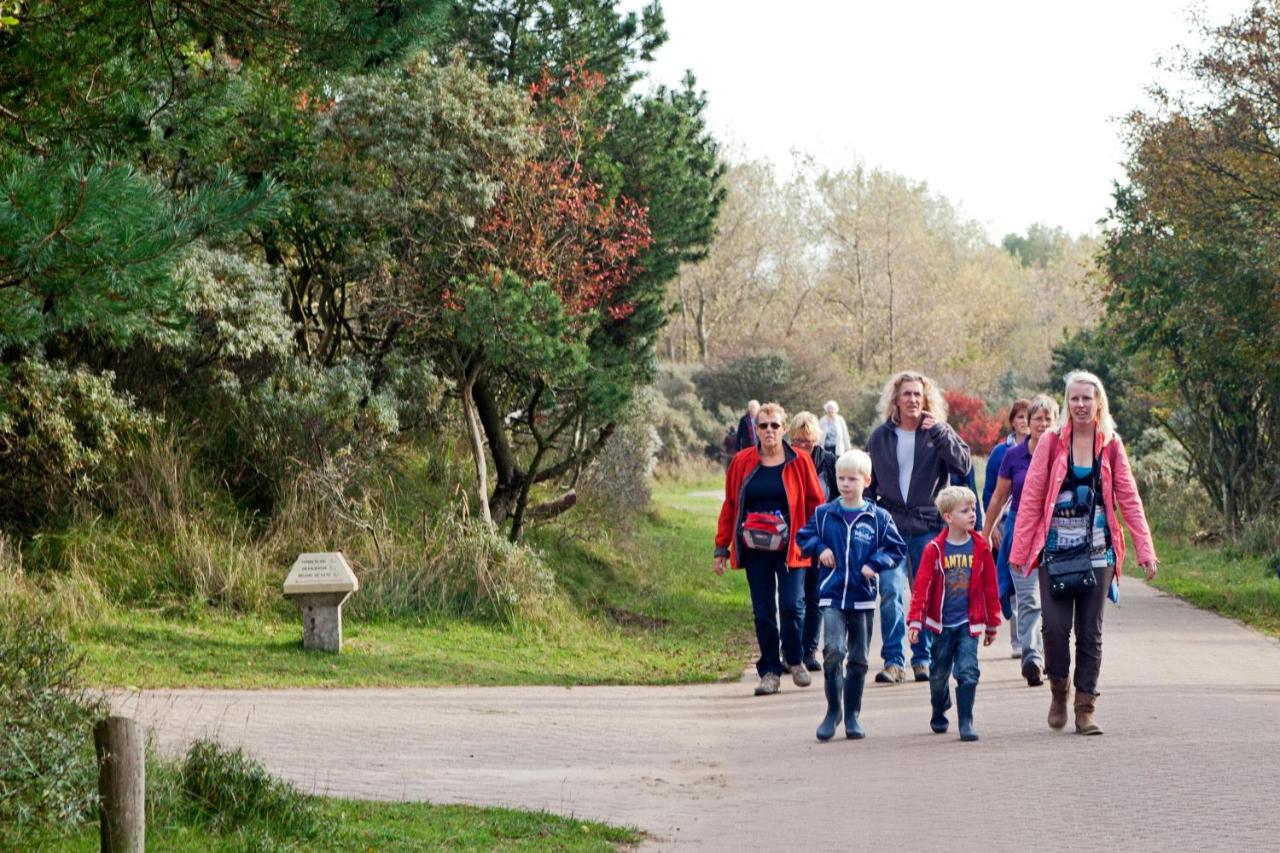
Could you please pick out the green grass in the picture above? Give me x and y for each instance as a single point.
(364, 825)
(1240, 587)
(646, 611)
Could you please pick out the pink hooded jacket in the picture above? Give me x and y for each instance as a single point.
(1044, 481)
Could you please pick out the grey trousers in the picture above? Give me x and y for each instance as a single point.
(1084, 615)
(1026, 619)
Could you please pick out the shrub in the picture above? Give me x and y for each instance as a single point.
(765, 377)
(684, 427)
(968, 415)
(48, 774)
(63, 432)
(617, 483)
(1174, 502)
(228, 792)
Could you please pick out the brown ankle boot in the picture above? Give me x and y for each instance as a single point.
(1059, 689)
(1084, 713)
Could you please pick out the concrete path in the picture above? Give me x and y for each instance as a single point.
(1190, 761)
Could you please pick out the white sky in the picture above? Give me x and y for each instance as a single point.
(1006, 108)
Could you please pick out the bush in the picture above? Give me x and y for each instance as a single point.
(48, 772)
(617, 483)
(683, 426)
(63, 432)
(969, 417)
(228, 791)
(1172, 498)
(765, 377)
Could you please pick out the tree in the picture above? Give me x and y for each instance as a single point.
(1191, 254)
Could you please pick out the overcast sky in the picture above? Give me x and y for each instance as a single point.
(1007, 108)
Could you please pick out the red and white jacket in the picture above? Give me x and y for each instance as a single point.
(930, 588)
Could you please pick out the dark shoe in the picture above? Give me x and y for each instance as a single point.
(811, 663)
(1031, 672)
(892, 674)
(921, 671)
(1059, 689)
(852, 707)
(800, 675)
(834, 687)
(769, 683)
(939, 722)
(964, 710)
(1084, 713)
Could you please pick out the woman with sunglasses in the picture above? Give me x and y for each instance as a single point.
(770, 492)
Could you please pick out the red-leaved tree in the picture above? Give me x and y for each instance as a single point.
(969, 417)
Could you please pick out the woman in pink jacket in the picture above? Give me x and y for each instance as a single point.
(1069, 530)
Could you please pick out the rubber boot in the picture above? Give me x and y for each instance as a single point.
(853, 706)
(964, 710)
(1059, 690)
(939, 722)
(834, 686)
(1084, 713)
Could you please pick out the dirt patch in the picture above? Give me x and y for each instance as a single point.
(627, 619)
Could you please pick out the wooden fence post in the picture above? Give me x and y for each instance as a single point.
(122, 785)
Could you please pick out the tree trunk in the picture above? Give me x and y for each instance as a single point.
(477, 444)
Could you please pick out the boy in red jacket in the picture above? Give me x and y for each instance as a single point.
(955, 597)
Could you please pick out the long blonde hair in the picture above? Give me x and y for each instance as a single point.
(934, 403)
(1103, 421)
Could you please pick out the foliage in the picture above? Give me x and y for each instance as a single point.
(47, 769)
(685, 428)
(764, 376)
(63, 432)
(968, 415)
(225, 789)
(617, 484)
(1191, 257)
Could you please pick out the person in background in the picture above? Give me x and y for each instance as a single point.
(1041, 414)
(834, 430)
(1076, 490)
(806, 436)
(914, 453)
(770, 492)
(747, 426)
(1017, 433)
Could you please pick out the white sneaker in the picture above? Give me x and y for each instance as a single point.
(769, 683)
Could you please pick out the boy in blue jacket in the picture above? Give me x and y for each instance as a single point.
(854, 540)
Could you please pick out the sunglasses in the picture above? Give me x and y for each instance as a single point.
(768, 426)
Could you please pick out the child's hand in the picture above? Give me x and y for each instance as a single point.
(988, 639)
(868, 572)
(913, 635)
(827, 558)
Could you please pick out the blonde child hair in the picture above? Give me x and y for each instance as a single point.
(854, 461)
(953, 497)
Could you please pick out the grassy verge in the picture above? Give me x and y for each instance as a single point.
(363, 825)
(643, 610)
(1240, 587)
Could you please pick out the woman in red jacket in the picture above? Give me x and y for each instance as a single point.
(1068, 528)
(770, 492)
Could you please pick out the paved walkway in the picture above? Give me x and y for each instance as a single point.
(1190, 760)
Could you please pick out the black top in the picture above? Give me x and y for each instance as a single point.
(765, 492)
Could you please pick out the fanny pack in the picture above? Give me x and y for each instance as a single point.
(765, 531)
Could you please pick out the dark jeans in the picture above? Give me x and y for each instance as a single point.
(812, 613)
(953, 649)
(1084, 614)
(775, 592)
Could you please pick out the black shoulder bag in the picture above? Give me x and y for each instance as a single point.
(1071, 572)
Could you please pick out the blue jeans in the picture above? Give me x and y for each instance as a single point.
(846, 636)
(1003, 576)
(893, 597)
(954, 649)
(813, 618)
(776, 592)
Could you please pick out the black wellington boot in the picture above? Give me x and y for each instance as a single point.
(853, 706)
(964, 706)
(833, 685)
